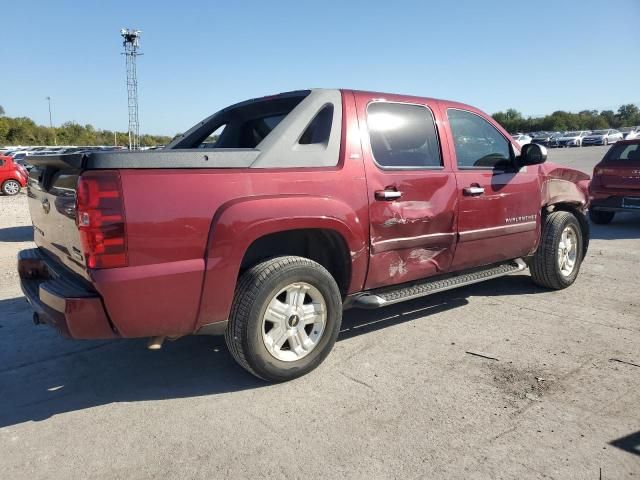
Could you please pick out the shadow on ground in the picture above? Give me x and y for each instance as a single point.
(630, 443)
(623, 227)
(45, 375)
(16, 234)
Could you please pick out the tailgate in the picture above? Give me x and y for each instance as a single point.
(51, 191)
(622, 174)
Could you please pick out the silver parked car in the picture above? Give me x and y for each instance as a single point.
(602, 137)
(573, 138)
(521, 138)
(545, 138)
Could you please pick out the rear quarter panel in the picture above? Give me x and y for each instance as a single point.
(188, 230)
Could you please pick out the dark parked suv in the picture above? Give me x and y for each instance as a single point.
(615, 186)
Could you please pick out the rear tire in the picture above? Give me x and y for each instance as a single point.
(11, 187)
(600, 217)
(557, 261)
(285, 318)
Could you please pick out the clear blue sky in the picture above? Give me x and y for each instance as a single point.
(199, 56)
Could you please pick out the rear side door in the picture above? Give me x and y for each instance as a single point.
(411, 190)
(499, 205)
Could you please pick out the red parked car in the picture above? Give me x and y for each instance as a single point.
(615, 186)
(12, 176)
(301, 205)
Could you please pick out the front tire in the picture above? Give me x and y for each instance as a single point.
(285, 318)
(557, 261)
(601, 218)
(11, 187)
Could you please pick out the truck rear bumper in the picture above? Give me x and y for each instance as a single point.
(61, 300)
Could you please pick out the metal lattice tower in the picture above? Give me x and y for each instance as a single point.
(131, 43)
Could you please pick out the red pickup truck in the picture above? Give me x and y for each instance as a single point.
(265, 220)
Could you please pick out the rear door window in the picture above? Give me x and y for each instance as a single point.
(403, 136)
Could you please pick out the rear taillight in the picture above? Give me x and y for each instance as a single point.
(101, 219)
(605, 171)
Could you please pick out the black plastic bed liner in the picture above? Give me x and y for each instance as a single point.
(154, 159)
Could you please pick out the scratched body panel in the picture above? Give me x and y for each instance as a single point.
(501, 224)
(413, 237)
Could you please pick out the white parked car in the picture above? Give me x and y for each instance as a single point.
(602, 137)
(521, 139)
(630, 133)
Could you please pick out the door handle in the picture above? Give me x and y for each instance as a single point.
(473, 191)
(388, 194)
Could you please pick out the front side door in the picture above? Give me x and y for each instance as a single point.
(499, 205)
(412, 192)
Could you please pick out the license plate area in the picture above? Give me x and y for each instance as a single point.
(631, 202)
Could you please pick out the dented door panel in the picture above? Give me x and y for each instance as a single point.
(412, 236)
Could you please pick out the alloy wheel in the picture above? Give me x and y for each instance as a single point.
(567, 251)
(294, 322)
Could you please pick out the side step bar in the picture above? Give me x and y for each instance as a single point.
(388, 296)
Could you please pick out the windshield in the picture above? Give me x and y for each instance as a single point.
(599, 132)
(572, 134)
(621, 151)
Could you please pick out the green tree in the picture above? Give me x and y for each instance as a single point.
(629, 115)
(511, 120)
(4, 130)
(610, 117)
(1, 111)
(24, 131)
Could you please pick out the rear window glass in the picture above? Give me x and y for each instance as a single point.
(319, 129)
(64, 183)
(241, 126)
(624, 152)
(212, 139)
(403, 135)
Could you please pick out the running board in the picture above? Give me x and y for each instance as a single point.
(388, 296)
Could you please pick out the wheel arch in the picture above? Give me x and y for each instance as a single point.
(577, 210)
(241, 228)
(325, 246)
(567, 189)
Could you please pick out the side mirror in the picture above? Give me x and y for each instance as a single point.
(532, 154)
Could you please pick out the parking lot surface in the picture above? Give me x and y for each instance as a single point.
(399, 397)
